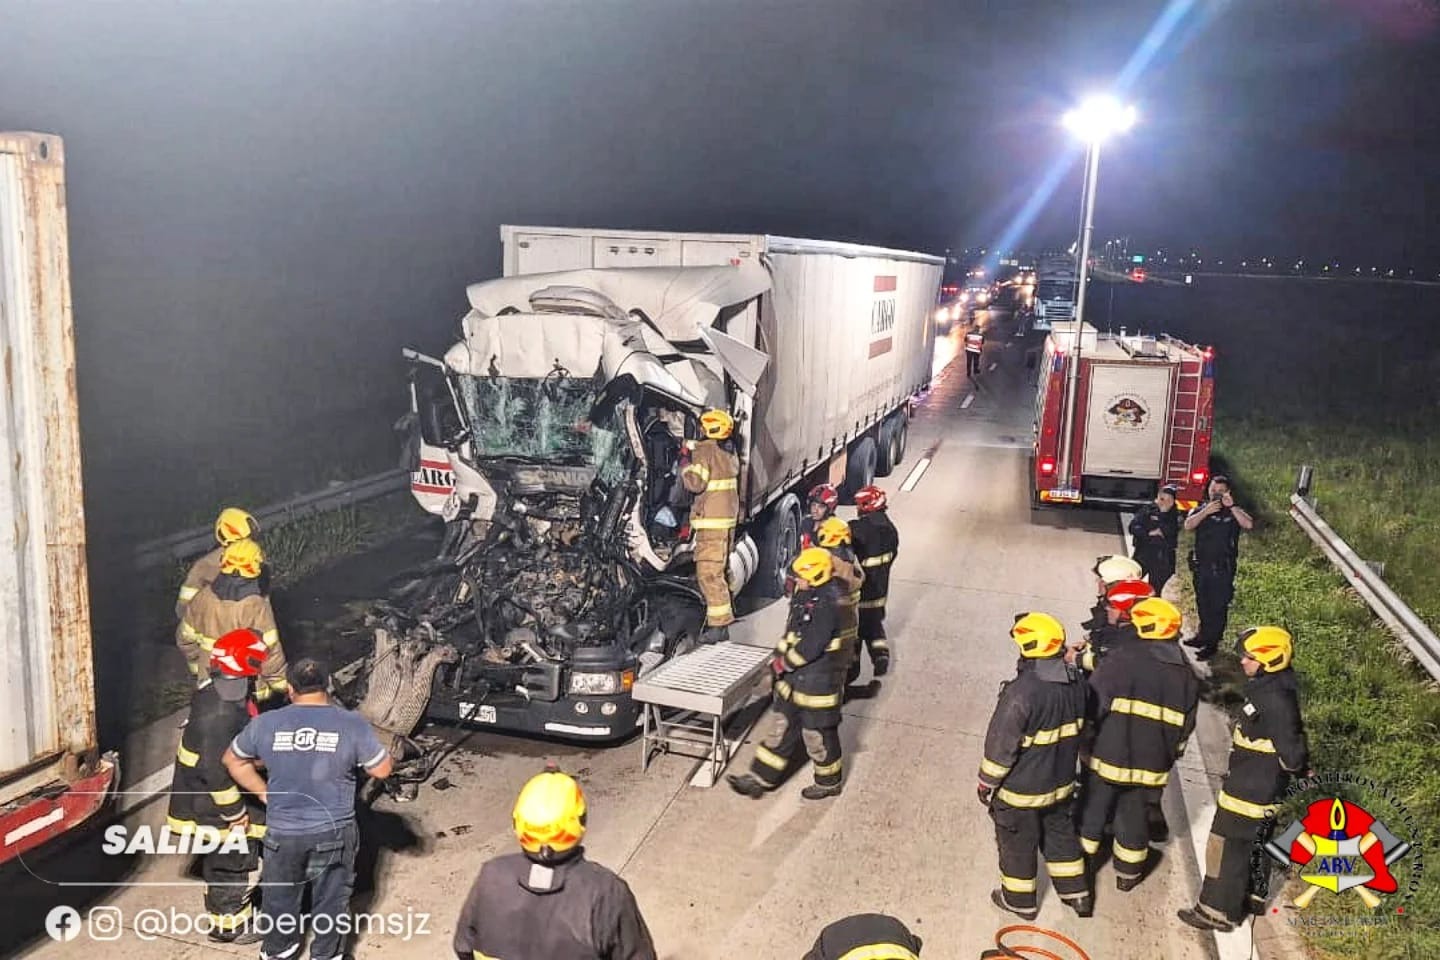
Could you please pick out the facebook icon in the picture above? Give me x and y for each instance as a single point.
(63, 923)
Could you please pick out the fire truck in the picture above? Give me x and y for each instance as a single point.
(1117, 417)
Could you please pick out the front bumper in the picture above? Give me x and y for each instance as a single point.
(599, 719)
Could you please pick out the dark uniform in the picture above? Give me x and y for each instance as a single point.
(1030, 751)
(1212, 565)
(807, 694)
(1144, 707)
(876, 543)
(519, 909)
(865, 936)
(204, 799)
(974, 347)
(1156, 554)
(1268, 746)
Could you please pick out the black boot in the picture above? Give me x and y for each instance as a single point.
(997, 897)
(240, 936)
(817, 792)
(747, 784)
(1201, 920)
(882, 664)
(1083, 906)
(1126, 884)
(715, 635)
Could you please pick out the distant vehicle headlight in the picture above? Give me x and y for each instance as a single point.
(601, 684)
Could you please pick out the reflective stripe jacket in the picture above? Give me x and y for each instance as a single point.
(202, 794)
(208, 617)
(202, 573)
(576, 910)
(713, 476)
(812, 652)
(865, 936)
(1106, 639)
(876, 542)
(974, 341)
(1145, 700)
(1268, 745)
(1034, 735)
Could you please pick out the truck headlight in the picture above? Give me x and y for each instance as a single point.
(601, 684)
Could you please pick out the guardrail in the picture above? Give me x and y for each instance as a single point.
(1402, 621)
(192, 543)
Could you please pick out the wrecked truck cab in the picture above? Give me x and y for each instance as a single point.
(564, 573)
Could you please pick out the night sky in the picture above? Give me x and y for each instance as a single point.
(267, 200)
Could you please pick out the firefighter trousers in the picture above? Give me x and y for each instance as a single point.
(1232, 885)
(1214, 589)
(779, 754)
(1020, 834)
(1126, 808)
(712, 559)
(227, 885)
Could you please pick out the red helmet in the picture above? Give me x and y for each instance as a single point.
(1124, 594)
(826, 494)
(239, 653)
(869, 499)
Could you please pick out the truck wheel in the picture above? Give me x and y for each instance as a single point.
(885, 451)
(778, 547)
(859, 468)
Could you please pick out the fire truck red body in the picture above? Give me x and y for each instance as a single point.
(1141, 418)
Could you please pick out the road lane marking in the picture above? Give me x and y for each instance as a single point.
(994, 365)
(967, 401)
(141, 793)
(916, 474)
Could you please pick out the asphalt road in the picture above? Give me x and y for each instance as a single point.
(722, 876)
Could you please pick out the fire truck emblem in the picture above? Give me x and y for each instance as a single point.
(1339, 846)
(1126, 413)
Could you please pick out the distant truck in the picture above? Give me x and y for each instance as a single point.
(1055, 288)
(52, 775)
(1142, 418)
(549, 436)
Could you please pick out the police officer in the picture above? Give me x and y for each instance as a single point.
(820, 504)
(549, 902)
(834, 535)
(1268, 748)
(1108, 571)
(865, 936)
(809, 667)
(1027, 773)
(1216, 524)
(204, 798)
(876, 543)
(1144, 705)
(232, 526)
(713, 476)
(234, 601)
(1155, 532)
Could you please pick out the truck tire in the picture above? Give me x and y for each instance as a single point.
(902, 435)
(885, 449)
(859, 468)
(778, 546)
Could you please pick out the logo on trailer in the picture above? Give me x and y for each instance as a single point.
(1341, 847)
(882, 317)
(1126, 412)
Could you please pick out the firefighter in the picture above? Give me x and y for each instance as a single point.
(234, 602)
(1268, 748)
(712, 475)
(233, 524)
(1155, 531)
(1027, 773)
(1109, 570)
(834, 535)
(204, 799)
(820, 504)
(865, 936)
(809, 669)
(549, 901)
(1217, 524)
(1120, 598)
(876, 543)
(974, 348)
(1144, 706)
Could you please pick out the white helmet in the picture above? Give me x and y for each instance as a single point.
(1114, 569)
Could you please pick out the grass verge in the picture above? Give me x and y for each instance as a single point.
(1369, 709)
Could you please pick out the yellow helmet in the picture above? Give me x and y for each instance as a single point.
(1038, 635)
(1156, 619)
(243, 557)
(549, 814)
(814, 565)
(1114, 569)
(234, 524)
(832, 532)
(717, 424)
(1272, 647)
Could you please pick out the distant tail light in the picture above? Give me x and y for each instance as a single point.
(1047, 466)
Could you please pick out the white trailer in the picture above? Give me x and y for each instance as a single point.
(52, 777)
(565, 402)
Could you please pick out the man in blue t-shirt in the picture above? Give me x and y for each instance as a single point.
(311, 750)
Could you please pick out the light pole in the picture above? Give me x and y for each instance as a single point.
(1093, 121)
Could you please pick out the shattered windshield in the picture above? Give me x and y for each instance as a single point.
(546, 420)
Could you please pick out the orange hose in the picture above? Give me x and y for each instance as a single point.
(1022, 951)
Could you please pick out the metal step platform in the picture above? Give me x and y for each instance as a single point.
(686, 700)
